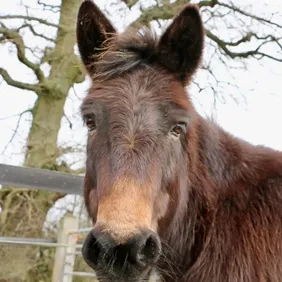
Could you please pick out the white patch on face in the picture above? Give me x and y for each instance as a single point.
(92, 133)
(173, 137)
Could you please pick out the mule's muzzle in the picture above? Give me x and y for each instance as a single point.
(134, 256)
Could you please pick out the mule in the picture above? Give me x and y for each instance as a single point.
(165, 188)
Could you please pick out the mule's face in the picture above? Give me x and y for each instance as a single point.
(136, 141)
(138, 116)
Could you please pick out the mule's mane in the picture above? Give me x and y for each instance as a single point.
(124, 52)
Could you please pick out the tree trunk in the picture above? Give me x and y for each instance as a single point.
(24, 212)
(42, 148)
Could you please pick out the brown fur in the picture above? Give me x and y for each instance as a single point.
(122, 216)
(214, 199)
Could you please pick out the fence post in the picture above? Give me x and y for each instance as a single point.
(62, 262)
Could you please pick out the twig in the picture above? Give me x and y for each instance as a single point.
(14, 37)
(31, 28)
(15, 131)
(28, 18)
(22, 85)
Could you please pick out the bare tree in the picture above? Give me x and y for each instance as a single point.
(24, 212)
(235, 34)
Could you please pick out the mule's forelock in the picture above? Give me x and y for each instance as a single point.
(107, 54)
(125, 52)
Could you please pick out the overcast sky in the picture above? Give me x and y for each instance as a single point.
(256, 119)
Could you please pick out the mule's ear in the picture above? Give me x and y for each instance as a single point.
(92, 31)
(180, 47)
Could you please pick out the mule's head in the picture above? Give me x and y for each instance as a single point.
(138, 116)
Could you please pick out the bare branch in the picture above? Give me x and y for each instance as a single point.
(15, 131)
(28, 18)
(68, 120)
(247, 38)
(252, 53)
(242, 12)
(262, 54)
(16, 115)
(31, 28)
(204, 3)
(14, 37)
(48, 7)
(156, 13)
(166, 12)
(210, 3)
(129, 3)
(15, 83)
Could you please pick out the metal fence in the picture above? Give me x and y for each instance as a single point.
(68, 244)
(41, 179)
(67, 247)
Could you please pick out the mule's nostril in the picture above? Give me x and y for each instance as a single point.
(150, 250)
(97, 246)
(139, 251)
(144, 248)
(91, 250)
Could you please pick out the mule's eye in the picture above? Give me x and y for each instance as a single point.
(90, 123)
(178, 129)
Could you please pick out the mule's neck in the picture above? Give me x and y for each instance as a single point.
(215, 160)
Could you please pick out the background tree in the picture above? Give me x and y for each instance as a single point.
(24, 212)
(41, 36)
